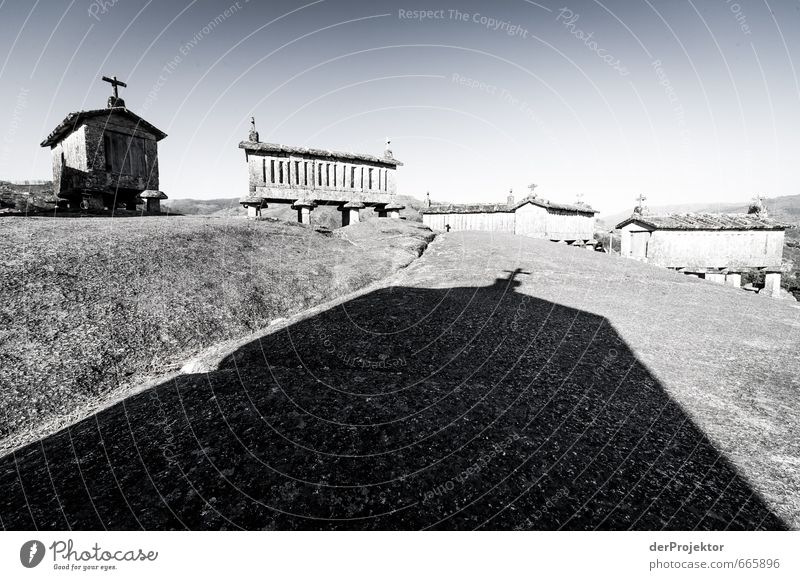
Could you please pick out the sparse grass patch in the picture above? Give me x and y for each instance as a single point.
(92, 306)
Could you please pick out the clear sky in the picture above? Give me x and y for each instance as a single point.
(680, 100)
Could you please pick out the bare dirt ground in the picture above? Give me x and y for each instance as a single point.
(498, 382)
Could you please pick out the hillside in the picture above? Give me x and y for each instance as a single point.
(91, 307)
(498, 382)
(221, 207)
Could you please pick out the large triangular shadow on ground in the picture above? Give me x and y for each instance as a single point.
(404, 408)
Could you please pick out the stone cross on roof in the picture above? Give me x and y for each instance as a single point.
(533, 186)
(639, 209)
(115, 83)
(115, 101)
(757, 206)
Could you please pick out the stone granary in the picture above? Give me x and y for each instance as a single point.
(305, 177)
(717, 247)
(106, 158)
(532, 216)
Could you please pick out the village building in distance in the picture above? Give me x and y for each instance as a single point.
(532, 216)
(717, 247)
(106, 158)
(305, 177)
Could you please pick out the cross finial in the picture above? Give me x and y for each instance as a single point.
(532, 187)
(115, 83)
(253, 136)
(639, 209)
(757, 206)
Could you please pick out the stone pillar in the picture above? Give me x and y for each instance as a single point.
(733, 279)
(716, 277)
(772, 284)
(350, 212)
(393, 210)
(304, 208)
(253, 204)
(152, 199)
(92, 202)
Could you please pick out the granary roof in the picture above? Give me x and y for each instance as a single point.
(580, 208)
(467, 208)
(292, 150)
(74, 120)
(705, 221)
(502, 207)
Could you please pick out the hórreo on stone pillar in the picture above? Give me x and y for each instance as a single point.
(733, 279)
(772, 284)
(153, 200)
(350, 212)
(393, 209)
(253, 204)
(304, 208)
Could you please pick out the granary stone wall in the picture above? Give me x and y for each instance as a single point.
(566, 225)
(716, 249)
(482, 221)
(531, 221)
(135, 167)
(70, 163)
(286, 175)
(276, 176)
(526, 219)
(81, 162)
(703, 249)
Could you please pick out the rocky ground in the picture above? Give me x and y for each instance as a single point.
(498, 382)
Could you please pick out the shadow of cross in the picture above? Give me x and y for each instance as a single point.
(514, 273)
